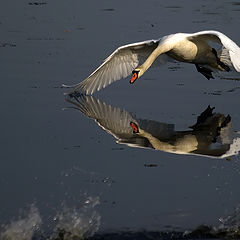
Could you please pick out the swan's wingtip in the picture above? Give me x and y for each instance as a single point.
(75, 91)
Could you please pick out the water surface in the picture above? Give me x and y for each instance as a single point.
(59, 169)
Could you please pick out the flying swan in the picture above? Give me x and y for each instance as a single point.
(184, 47)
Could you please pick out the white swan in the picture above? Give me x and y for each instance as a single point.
(190, 48)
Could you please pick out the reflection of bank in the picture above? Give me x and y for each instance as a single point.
(211, 136)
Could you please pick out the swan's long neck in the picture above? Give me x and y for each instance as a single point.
(152, 57)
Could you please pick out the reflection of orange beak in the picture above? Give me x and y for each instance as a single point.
(134, 77)
(134, 127)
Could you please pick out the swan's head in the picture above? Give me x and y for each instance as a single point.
(137, 73)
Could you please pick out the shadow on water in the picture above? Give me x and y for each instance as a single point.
(210, 136)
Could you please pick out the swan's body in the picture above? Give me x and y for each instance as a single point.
(190, 48)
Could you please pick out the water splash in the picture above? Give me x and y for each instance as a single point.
(23, 228)
(78, 223)
(231, 222)
(69, 223)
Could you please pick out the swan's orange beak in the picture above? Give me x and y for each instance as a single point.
(134, 127)
(134, 77)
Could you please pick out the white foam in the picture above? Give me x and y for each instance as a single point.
(80, 222)
(24, 227)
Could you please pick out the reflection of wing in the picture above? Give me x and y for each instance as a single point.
(112, 119)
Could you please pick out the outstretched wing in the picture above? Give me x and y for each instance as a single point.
(228, 44)
(119, 64)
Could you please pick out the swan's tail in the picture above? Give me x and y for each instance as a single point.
(224, 56)
(230, 57)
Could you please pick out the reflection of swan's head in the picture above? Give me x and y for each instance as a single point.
(134, 127)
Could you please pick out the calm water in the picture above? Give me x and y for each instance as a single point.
(60, 170)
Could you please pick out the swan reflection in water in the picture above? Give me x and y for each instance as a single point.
(210, 136)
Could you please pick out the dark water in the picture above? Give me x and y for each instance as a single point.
(60, 172)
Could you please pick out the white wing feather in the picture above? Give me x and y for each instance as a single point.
(215, 36)
(119, 64)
